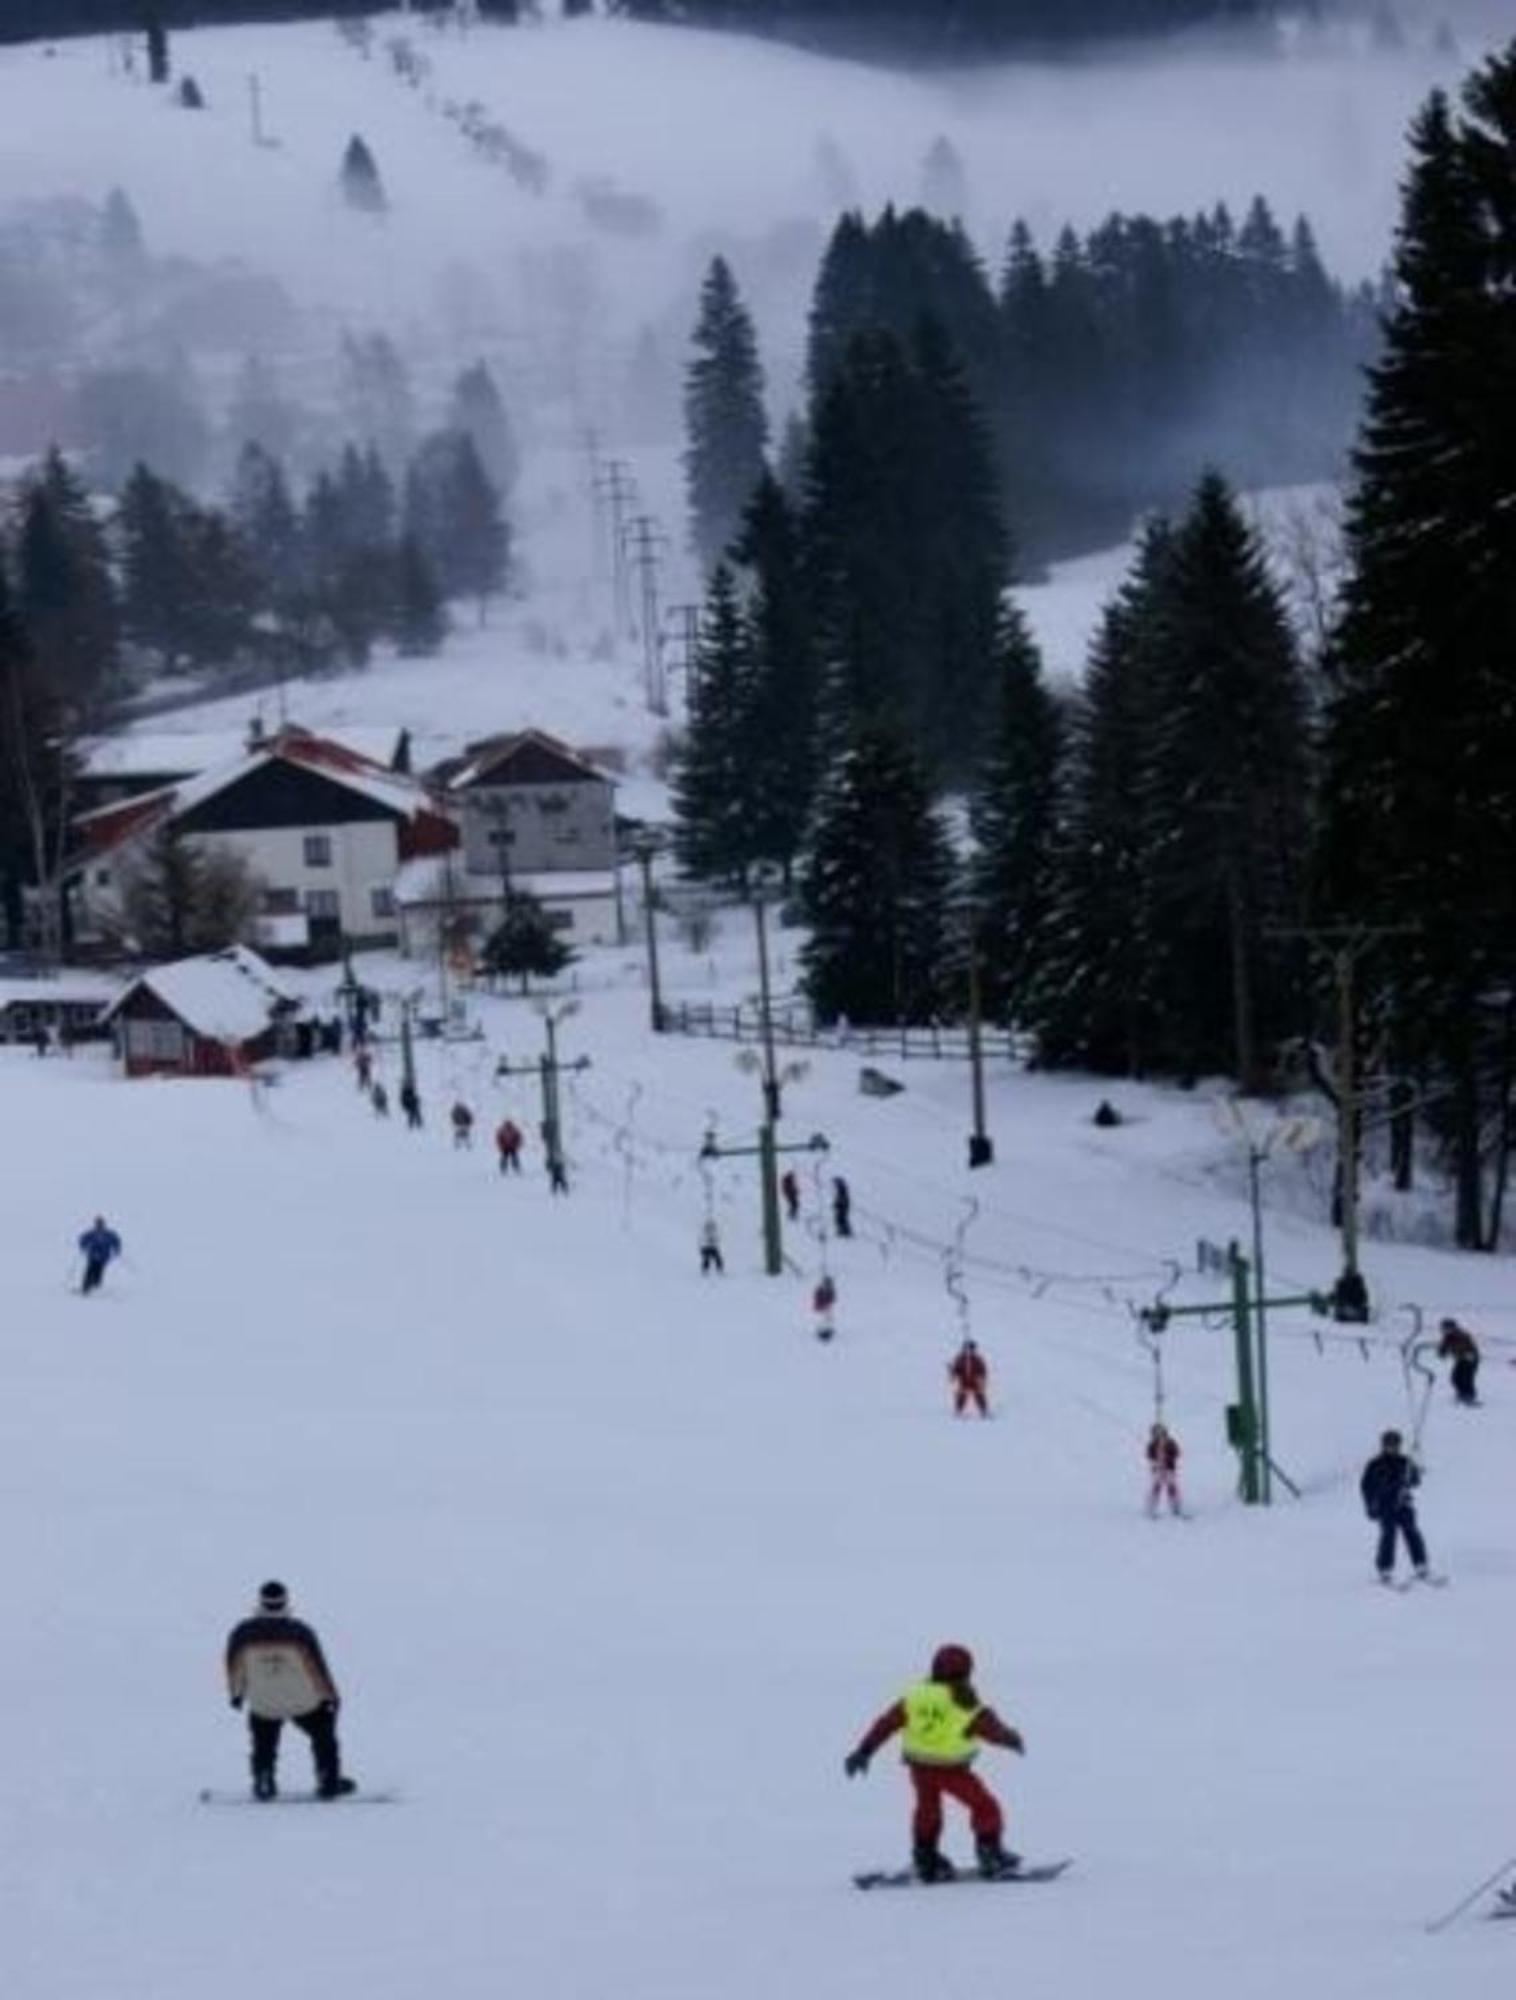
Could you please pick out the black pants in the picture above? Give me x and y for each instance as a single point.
(710, 1259)
(1465, 1370)
(94, 1271)
(319, 1724)
(1400, 1520)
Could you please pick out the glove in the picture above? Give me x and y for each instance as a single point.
(235, 1700)
(331, 1705)
(856, 1764)
(1016, 1743)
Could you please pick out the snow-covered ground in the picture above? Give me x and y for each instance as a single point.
(614, 1563)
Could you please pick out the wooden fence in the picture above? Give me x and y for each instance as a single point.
(795, 1028)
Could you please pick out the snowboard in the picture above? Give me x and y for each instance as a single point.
(212, 1797)
(907, 1878)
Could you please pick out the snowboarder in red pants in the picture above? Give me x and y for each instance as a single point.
(944, 1725)
(1163, 1470)
(969, 1373)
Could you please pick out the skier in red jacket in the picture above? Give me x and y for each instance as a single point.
(1163, 1470)
(969, 1373)
(944, 1724)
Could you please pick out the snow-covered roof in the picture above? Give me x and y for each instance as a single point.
(185, 753)
(484, 758)
(77, 989)
(227, 996)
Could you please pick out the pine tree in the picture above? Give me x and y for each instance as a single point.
(1013, 814)
(453, 513)
(65, 594)
(477, 411)
(782, 703)
(876, 885)
(1227, 804)
(378, 408)
(726, 429)
(419, 619)
(361, 186)
(1421, 823)
(1090, 998)
(155, 562)
(714, 780)
(180, 896)
(525, 945)
(264, 515)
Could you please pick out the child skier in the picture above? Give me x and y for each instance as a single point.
(710, 1248)
(463, 1124)
(822, 1301)
(275, 1666)
(1460, 1347)
(1388, 1485)
(970, 1376)
(410, 1104)
(1163, 1470)
(944, 1724)
(789, 1187)
(508, 1145)
(842, 1207)
(99, 1246)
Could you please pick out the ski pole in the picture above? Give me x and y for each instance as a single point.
(1441, 1923)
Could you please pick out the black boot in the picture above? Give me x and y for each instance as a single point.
(333, 1787)
(993, 1859)
(929, 1863)
(264, 1786)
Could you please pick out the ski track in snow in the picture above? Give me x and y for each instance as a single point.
(613, 1564)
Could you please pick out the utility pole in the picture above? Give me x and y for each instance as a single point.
(615, 485)
(981, 1146)
(758, 883)
(255, 108)
(1246, 1420)
(766, 1152)
(646, 539)
(1343, 945)
(685, 619)
(644, 845)
(548, 1068)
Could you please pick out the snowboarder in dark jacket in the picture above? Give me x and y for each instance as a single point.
(842, 1207)
(1388, 1487)
(99, 1246)
(410, 1104)
(276, 1669)
(1460, 1347)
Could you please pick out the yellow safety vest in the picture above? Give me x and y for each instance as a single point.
(936, 1728)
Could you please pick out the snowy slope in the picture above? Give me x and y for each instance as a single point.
(613, 1563)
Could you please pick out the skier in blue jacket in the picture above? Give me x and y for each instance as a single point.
(99, 1246)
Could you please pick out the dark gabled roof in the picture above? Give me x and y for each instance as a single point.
(522, 757)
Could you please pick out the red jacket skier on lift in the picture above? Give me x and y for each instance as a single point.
(969, 1373)
(1163, 1470)
(944, 1725)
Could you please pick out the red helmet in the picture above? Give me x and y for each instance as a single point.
(952, 1663)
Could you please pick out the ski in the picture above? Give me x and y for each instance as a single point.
(907, 1878)
(212, 1797)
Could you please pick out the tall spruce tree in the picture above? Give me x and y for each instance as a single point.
(477, 411)
(715, 776)
(1420, 805)
(1227, 806)
(65, 593)
(726, 428)
(453, 512)
(1090, 998)
(1013, 814)
(780, 727)
(877, 881)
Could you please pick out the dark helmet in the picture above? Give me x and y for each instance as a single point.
(1391, 1440)
(952, 1663)
(273, 1597)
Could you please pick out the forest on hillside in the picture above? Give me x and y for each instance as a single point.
(961, 27)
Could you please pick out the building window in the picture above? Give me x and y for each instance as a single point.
(501, 836)
(281, 902)
(155, 1041)
(552, 804)
(382, 902)
(560, 920)
(102, 878)
(323, 903)
(318, 850)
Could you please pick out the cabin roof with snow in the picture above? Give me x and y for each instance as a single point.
(168, 756)
(296, 780)
(226, 996)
